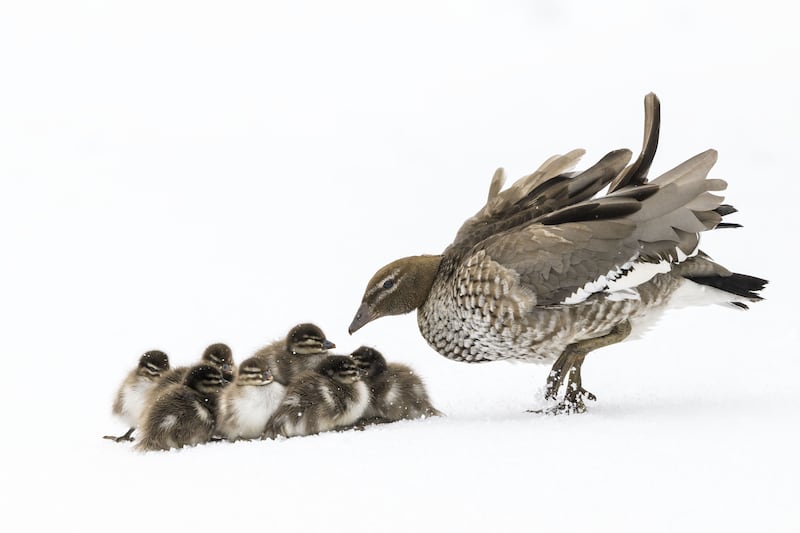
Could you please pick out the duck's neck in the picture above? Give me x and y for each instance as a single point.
(426, 267)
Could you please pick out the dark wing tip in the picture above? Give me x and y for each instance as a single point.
(636, 174)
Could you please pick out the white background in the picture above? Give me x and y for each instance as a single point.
(181, 173)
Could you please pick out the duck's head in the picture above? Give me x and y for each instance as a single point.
(340, 368)
(369, 360)
(254, 372)
(397, 289)
(307, 339)
(204, 378)
(220, 355)
(153, 363)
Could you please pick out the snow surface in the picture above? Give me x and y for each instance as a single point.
(181, 173)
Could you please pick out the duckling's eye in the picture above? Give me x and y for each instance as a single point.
(388, 284)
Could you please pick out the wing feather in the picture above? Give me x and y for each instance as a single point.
(560, 253)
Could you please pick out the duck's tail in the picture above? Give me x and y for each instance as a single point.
(713, 283)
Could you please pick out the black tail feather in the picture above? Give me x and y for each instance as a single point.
(726, 209)
(723, 225)
(738, 284)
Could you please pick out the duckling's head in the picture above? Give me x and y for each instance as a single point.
(397, 289)
(254, 372)
(220, 355)
(153, 363)
(206, 379)
(340, 368)
(307, 339)
(369, 360)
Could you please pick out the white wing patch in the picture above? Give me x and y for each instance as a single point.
(620, 284)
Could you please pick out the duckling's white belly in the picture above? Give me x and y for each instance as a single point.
(246, 411)
(357, 407)
(134, 400)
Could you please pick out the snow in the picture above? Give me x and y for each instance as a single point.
(180, 173)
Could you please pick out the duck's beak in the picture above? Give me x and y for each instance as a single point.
(363, 316)
(328, 345)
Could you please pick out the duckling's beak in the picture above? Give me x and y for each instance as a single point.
(328, 345)
(363, 317)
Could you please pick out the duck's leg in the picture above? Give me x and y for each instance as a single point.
(575, 383)
(559, 371)
(568, 366)
(125, 437)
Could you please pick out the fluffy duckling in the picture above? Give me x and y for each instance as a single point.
(133, 393)
(303, 349)
(246, 405)
(396, 392)
(330, 397)
(185, 414)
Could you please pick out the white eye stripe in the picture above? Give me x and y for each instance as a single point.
(379, 288)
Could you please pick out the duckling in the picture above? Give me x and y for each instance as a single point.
(303, 349)
(548, 271)
(330, 397)
(132, 395)
(396, 392)
(184, 414)
(246, 405)
(218, 355)
(221, 356)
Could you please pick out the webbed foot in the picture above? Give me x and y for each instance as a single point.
(122, 438)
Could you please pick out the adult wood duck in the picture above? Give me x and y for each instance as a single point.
(548, 272)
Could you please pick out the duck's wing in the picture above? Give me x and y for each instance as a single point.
(551, 187)
(610, 243)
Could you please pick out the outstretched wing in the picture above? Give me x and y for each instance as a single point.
(633, 233)
(551, 187)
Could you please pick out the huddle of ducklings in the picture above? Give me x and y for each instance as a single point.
(291, 387)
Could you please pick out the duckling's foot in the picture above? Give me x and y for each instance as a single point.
(270, 433)
(122, 438)
(362, 423)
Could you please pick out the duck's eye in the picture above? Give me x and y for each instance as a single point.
(388, 284)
